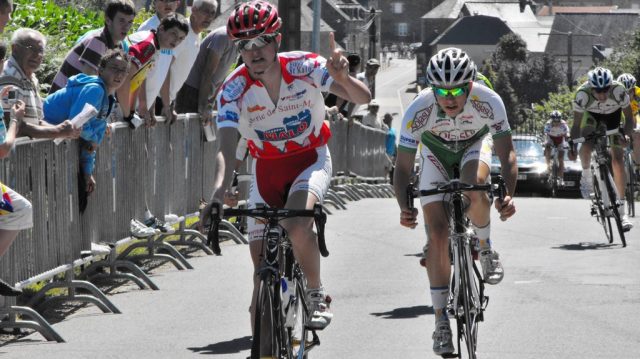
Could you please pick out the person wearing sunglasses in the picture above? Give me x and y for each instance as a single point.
(275, 101)
(602, 100)
(457, 122)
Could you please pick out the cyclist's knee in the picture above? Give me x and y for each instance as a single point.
(299, 227)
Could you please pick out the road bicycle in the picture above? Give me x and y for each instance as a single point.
(467, 300)
(282, 310)
(554, 180)
(632, 186)
(604, 200)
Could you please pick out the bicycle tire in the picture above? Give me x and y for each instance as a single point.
(608, 181)
(468, 323)
(601, 216)
(298, 335)
(631, 186)
(265, 341)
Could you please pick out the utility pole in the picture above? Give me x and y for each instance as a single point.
(372, 35)
(289, 11)
(569, 36)
(315, 36)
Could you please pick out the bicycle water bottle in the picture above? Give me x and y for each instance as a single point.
(288, 301)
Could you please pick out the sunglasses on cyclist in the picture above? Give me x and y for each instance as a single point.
(257, 42)
(455, 92)
(602, 90)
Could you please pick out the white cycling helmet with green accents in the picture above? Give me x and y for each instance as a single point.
(450, 67)
(600, 77)
(627, 80)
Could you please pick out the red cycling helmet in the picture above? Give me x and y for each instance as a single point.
(252, 19)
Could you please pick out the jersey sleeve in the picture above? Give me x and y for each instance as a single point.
(414, 122)
(495, 113)
(547, 128)
(320, 75)
(229, 101)
(620, 95)
(581, 101)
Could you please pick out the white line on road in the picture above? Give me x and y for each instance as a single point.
(400, 100)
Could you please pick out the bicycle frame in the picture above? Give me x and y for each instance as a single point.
(275, 323)
(605, 199)
(467, 301)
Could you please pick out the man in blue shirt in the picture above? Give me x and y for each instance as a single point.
(390, 144)
(98, 91)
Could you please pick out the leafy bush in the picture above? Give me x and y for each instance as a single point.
(62, 25)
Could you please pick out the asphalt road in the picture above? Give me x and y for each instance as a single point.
(566, 294)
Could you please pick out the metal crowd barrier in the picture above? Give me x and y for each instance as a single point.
(166, 169)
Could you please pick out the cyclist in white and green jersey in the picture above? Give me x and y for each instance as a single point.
(456, 122)
(601, 100)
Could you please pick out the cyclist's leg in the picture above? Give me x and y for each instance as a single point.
(587, 126)
(476, 164)
(547, 153)
(561, 148)
(307, 189)
(617, 166)
(437, 261)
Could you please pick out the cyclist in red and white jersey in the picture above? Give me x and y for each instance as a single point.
(556, 132)
(275, 101)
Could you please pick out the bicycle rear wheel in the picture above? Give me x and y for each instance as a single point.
(265, 331)
(615, 212)
(468, 293)
(599, 210)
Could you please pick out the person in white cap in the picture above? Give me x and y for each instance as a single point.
(371, 118)
(368, 77)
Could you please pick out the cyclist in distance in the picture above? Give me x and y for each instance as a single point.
(556, 133)
(602, 100)
(456, 122)
(629, 82)
(275, 101)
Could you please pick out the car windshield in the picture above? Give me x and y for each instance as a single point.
(528, 148)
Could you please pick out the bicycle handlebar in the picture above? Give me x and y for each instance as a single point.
(264, 212)
(596, 134)
(497, 187)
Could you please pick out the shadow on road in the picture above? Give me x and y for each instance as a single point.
(229, 347)
(406, 313)
(583, 246)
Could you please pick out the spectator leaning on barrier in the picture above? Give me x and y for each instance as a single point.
(16, 213)
(369, 75)
(217, 57)
(156, 90)
(143, 48)
(203, 12)
(371, 118)
(97, 91)
(85, 56)
(27, 47)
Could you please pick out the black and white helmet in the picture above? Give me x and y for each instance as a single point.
(450, 67)
(555, 116)
(600, 77)
(627, 80)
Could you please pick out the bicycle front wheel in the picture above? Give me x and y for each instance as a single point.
(599, 210)
(631, 186)
(265, 330)
(468, 323)
(299, 339)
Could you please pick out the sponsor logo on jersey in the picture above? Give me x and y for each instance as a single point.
(325, 77)
(294, 126)
(229, 116)
(295, 96)
(421, 118)
(256, 108)
(498, 126)
(233, 89)
(408, 141)
(457, 135)
(466, 119)
(437, 165)
(300, 67)
(484, 108)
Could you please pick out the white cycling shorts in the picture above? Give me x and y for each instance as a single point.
(433, 173)
(274, 179)
(16, 212)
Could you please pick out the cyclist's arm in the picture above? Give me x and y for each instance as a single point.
(575, 126)
(628, 124)
(503, 146)
(351, 89)
(206, 85)
(225, 160)
(402, 174)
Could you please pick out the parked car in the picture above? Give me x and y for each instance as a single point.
(532, 167)
(533, 174)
